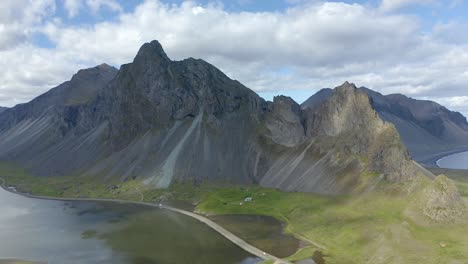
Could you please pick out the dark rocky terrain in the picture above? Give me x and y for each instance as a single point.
(427, 128)
(161, 120)
(3, 108)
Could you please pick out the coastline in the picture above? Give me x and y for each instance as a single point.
(215, 227)
(454, 154)
(433, 160)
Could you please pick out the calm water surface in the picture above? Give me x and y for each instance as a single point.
(89, 232)
(265, 233)
(455, 161)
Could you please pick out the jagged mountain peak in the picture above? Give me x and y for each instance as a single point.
(93, 72)
(346, 108)
(348, 89)
(151, 60)
(347, 84)
(151, 52)
(426, 127)
(347, 92)
(345, 89)
(105, 66)
(86, 84)
(188, 86)
(349, 118)
(282, 99)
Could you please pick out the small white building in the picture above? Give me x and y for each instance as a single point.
(248, 199)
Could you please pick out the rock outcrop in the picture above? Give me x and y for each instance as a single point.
(3, 108)
(441, 202)
(344, 139)
(356, 128)
(427, 128)
(161, 120)
(285, 122)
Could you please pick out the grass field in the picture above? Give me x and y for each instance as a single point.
(369, 228)
(66, 186)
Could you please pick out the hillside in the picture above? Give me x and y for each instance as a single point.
(160, 121)
(3, 108)
(427, 128)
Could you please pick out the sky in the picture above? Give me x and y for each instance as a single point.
(291, 47)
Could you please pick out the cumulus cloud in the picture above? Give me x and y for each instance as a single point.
(19, 18)
(309, 46)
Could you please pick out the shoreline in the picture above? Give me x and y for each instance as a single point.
(215, 227)
(433, 160)
(453, 154)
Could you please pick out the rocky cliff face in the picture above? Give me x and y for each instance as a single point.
(161, 120)
(344, 139)
(426, 127)
(285, 122)
(42, 134)
(3, 108)
(348, 117)
(61, 100)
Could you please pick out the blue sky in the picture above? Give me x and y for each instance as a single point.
(291, 47)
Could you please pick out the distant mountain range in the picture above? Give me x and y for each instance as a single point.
(3, 108)
(161, 120)
(427, 128)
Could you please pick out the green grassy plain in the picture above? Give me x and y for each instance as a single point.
(369, 228)
(68, 186)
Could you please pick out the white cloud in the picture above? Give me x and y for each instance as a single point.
(309, 46)
(18, 18)
(392, 5)
(319, 34)
(73, 7)
(451, 32)
(28, 71)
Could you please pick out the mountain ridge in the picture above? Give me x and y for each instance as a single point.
(162, 121)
